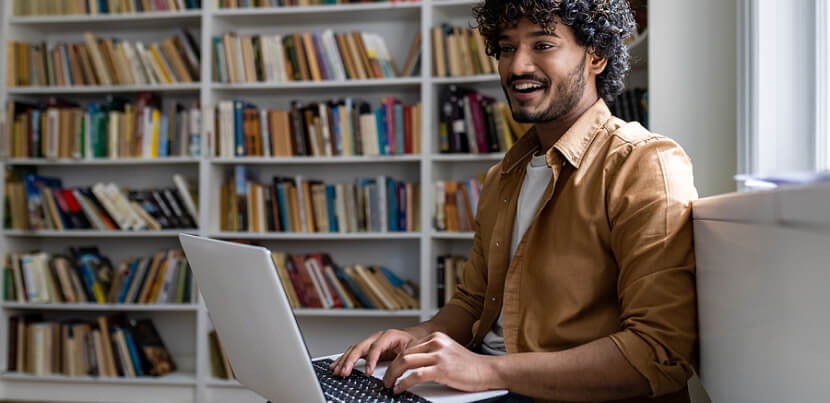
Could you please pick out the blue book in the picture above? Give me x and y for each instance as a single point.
(399, 136)
(332, 211)
(216, 42)
(102, 7)
(239, 140)
(133, 352)
(338, 134)
(386, 135)
(283, 213)
(322, 60)
(394, 280)
(35, 125)
(34, 203)
(127, 281)
(67, 71)
(392, 204)
(163, 140)
(401, 206)
(382, 145)
(89, 279)
(346, 280)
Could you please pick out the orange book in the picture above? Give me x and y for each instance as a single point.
(364, 56)
(301, 57)
(109, 60)
(169, 49)
(343, 48)
(312, 57)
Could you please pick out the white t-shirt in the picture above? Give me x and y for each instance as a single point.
(537, 177)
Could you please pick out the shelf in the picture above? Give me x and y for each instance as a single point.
(481, 78)
(181, 379)
(315, 160)
(357, 312)
(325, 85)
(104, 89)
(224, 383)
(96, 234)
(316, 236)
(453, 235)
(160, 19)
(294, 10)
(103, 161)
(101, 307)
(490, 157)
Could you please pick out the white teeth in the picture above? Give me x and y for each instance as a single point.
(526, 86)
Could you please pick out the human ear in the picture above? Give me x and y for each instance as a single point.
(596, 63)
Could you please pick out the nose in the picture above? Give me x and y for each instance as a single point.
(521, 62)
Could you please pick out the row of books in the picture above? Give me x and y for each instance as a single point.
(304, 56)
(456, 204)
(220, 367)
(111, 346)
(334, 128)
(285, 3)
(471, 122)
(448, 271)
(95, 7)
(315, 281)
(38, 202)
(460, 51)
(87, 276)
(101, 61)
(116, 128)
(297, 204)
(631, 106)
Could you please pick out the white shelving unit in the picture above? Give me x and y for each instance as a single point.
(184, 328)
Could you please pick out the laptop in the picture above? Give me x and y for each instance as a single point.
(263, 342)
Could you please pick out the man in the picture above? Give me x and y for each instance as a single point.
(582, 267)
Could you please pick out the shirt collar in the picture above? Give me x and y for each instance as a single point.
(572, 145)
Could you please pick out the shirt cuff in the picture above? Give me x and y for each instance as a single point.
(664, 375)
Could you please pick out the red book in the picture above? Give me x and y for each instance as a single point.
(295, 280)
(318, 259)
(478, 122)
(306, 283)
(407, 129)
(389, 110)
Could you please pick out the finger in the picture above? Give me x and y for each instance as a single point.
(405, 362)
(339, 361)
(380, 346)
(425, 345)
(417, 376)
(355, 354)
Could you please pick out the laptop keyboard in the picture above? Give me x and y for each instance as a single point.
(357, 387)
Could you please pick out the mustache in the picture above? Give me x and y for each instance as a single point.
(515, 78)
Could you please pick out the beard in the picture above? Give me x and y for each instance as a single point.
(568, 92)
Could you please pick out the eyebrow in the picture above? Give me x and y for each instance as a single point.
(534, 34)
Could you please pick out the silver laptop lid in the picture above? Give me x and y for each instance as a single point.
(253, 318)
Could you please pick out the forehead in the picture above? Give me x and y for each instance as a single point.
(524, 28)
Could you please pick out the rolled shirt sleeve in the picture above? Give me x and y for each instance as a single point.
(649, 208)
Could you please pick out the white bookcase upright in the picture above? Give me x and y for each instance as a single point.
(184, 328)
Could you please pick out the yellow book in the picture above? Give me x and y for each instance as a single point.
(154, 144)
(162, 68)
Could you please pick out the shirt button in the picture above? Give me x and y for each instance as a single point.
(498, 243)
(505, 201)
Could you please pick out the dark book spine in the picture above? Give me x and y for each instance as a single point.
(11, 356)
(440, 287)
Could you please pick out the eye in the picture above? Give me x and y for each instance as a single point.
(544, 46)
(506, 49)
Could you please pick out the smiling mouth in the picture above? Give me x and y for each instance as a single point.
(526, 88)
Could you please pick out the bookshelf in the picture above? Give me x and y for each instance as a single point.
(184, 328)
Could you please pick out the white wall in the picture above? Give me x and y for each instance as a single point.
(692, 90)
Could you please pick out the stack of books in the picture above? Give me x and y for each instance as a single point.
(456, 204)
(95, 7)
(460, 51)
(301, 57)
(447, 277)
(319, 129)
(111, 346)
(114, 129)
(87, 276)
(315, 281)
(471, 122)
(220, 367)
(99, 61)
(42, 203)
(297, 204)
(283, 3)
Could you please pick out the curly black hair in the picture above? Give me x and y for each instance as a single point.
(603, 25)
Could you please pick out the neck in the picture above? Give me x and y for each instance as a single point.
(550, 132)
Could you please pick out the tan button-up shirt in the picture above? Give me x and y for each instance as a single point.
(608, 253)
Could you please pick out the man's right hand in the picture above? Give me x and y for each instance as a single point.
(383, 345)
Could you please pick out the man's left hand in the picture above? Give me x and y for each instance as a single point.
(439, 358)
